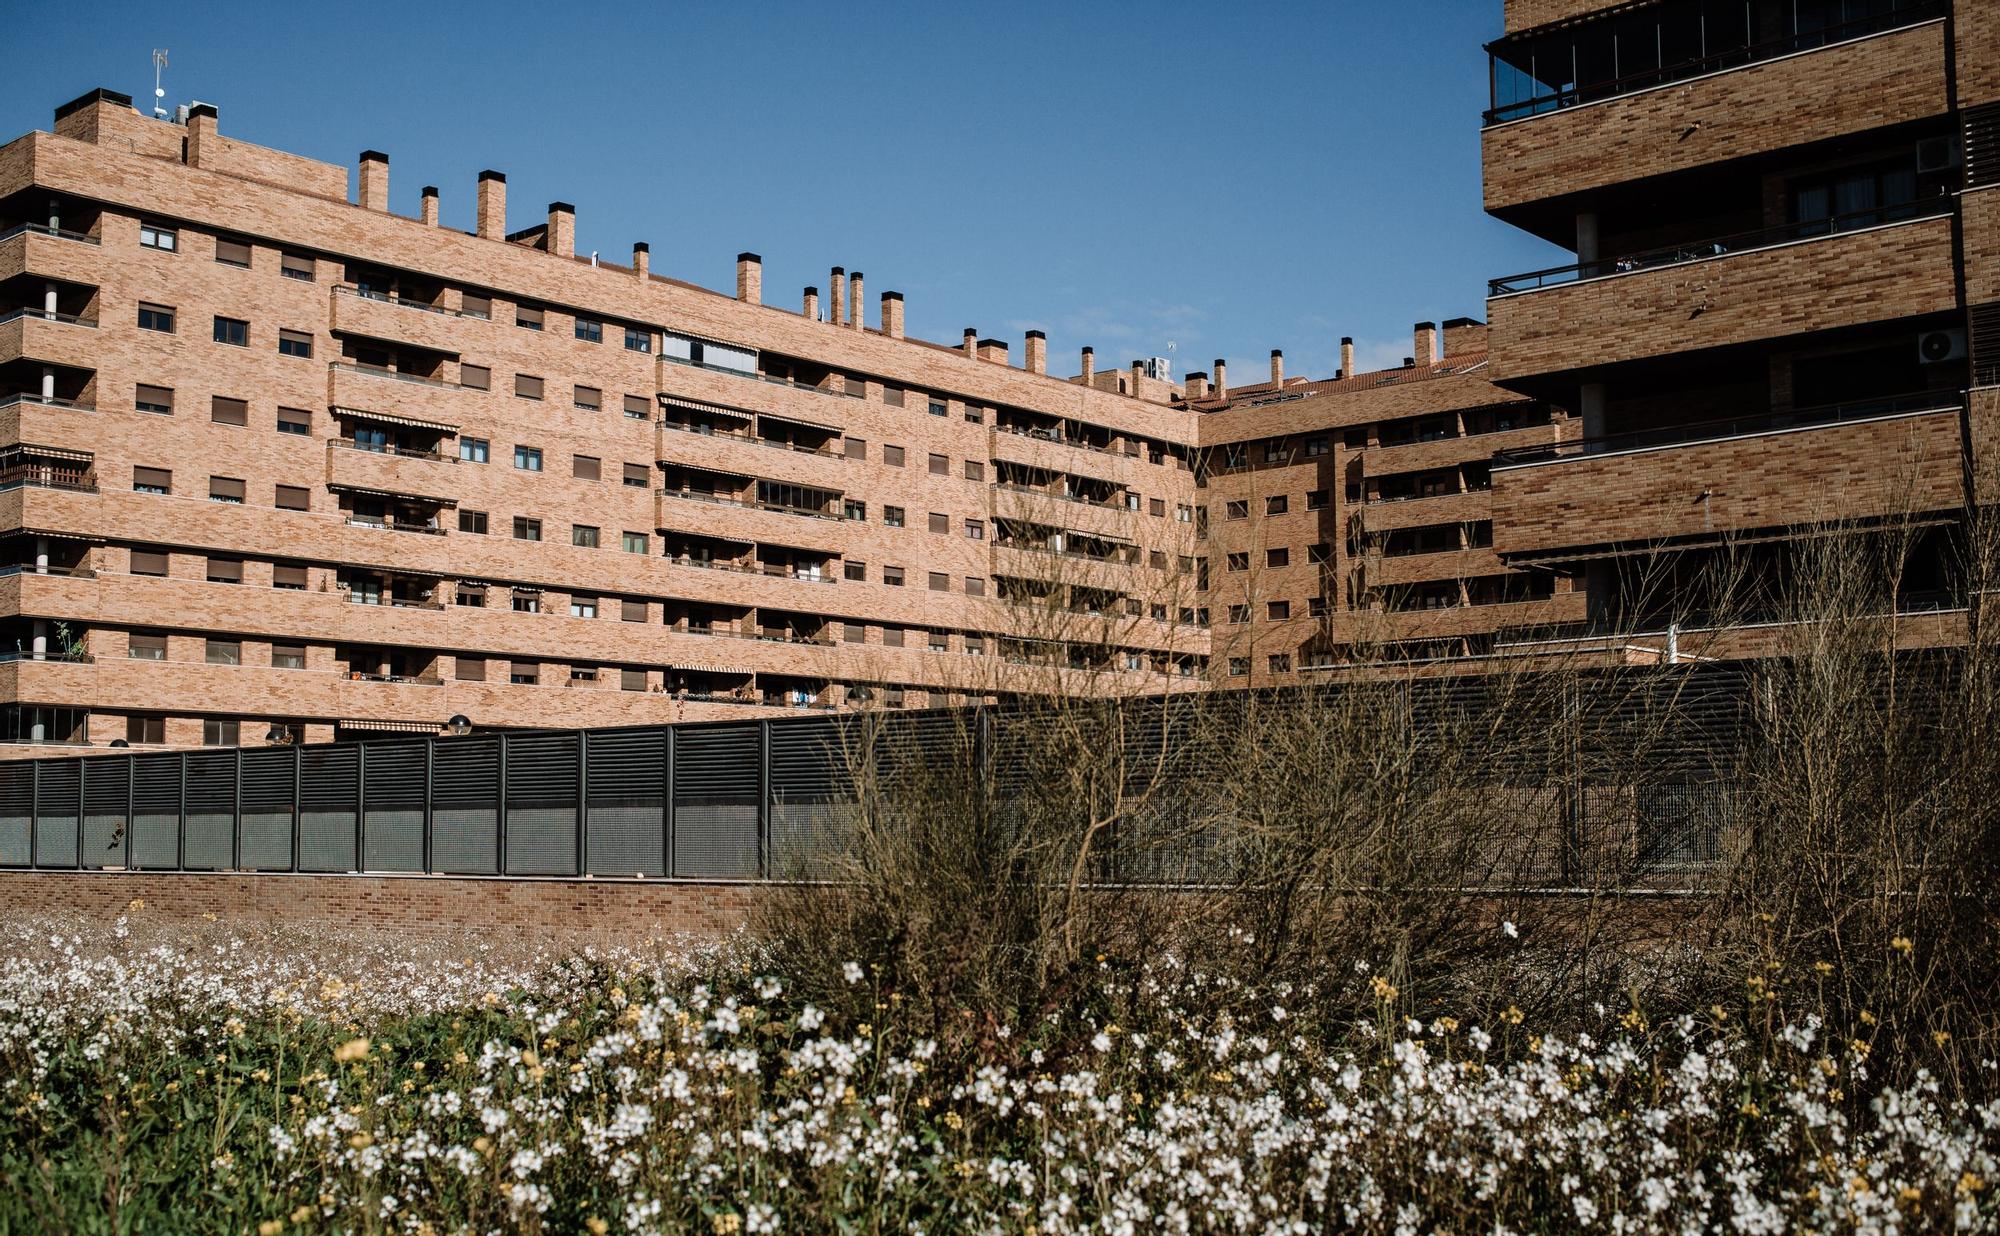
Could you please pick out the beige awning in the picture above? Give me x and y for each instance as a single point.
(696, 405)
(391, 727)
(799, 421)
(395, 418)
(391, 494)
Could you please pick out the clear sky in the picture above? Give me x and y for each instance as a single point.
(1227, 178)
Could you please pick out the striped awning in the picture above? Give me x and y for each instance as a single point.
(391, 494)
(696, 405)
(395, 418)
(391, 727)
(48, 452)
(705, 667)
(801, 422)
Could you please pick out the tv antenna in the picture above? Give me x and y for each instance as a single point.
(159, 92)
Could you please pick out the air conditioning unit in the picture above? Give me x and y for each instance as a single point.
(1937, 154)
(1934, 347)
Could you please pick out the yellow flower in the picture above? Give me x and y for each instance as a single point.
(482, 1144)
(1512, 1016)
(1902, 944)
(137, 903)
(302, 1214)
(596, 1225)
(1384, 989)
(1969, 1183)
(1824, 967)
(350, 1051)
(1940, 1037)
(361, 1141)
(952, 1120)
(270, 1227)
(529, 1058)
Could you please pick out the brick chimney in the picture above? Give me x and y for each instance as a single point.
(1035, 353)
(562, 229)
(856, 315)
(809, 304)
(1197, 385)
(750, 278)
(892, 314)
(1221, 379)
(642, 260)
(994, 350)
(1463, 336)
(1426, 342)
(492, 205)
(1347, 356)
(1277, 367)
(1089, 367)
(427, 211)
(971, 344)
(1138, 376)
(837, 295)
(374, 177)
(202, 140)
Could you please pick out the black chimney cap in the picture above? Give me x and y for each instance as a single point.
(490, 174)
(892, 296)
(99, 95)
(641, 247)
(561, 208)
(430, 191)
(367, 156)
(203, 109)
(1035, 334)
(748, 257)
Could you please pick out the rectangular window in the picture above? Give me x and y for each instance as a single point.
(892, 637)
(937, 407)
(233, 331)
(940, 582)
(856, 511)
(583, 536)
(974, 416)
(145, 729)
(153, 480)
(474, 450)
(589, 398)
(1277, 504)
(1281, 663)
(892, 516)
(975, 586)
(1239, 562)
(631, 680)
(582, 607)
(472, 596)
(940, 523)
(225, 411)
(1238, 615)
(469, 669)
(1278, 611)
(219, 733)
(288, 656)
(528, 458)
(526, 529)
(589, 331)
(974, 470)
(296, 266)
(1316, 446)
(155, 399)
(476, 305)
(856, 571)
(524, 673)
(630, 610)
(527, 318)
(289, 576)
(475, 377)
(636, 408)
(1157, 559)
(225, 570)
(1315, 499)
(1156, 506)
(295, 421)
(527, 386)
(156, 317)
(586, 467)
(295, 343)
(634, 542)
(637, 476)
(940, 466)
(159, 236)
(1239, 667)
(146, 647)
(855, 448)
(472, 521)
(975, 530)
(856, 387)
(892, 576)
(527, 602)
(149, 562)
(1280, 557)
(939, 641)
(232, 252)
(1237, 509)
(638, 340)
(225, 489)
(854, 632)
(893, 396)
(893, 456)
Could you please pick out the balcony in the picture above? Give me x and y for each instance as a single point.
(1389, 570)
(743, 455)
(734, 519)
(1416, 512)
(52, 338)
(1448, 451)
(33, 249)
(1703, 483)
(391, 472)
(364, 388)
(411, 323)
(1795, 280)
(1542, 143)
(1454, 621)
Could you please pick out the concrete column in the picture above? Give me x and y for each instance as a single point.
(1586, 236)
(1590, 405)
(48, 382)
(41, 639)
(49, 299)
(41, 555)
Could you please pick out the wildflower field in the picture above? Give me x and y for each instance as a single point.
(168, 1078)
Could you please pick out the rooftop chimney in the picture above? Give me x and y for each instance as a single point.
(1221, 379)
(1347, 356)
(1138, 375)
(562, 229)
(492, 205)
(428, 211)
(810, 304)
(1463, 336)
(1277, 367)
(1197, 384)
(1035, 354)
(971, 344)
(750, 278)
(994, 350)
(1089, 367)
(642, 260)
(892, 314)
(202, 142)
(856, 315)
(1426, 348)
(837, 295)
(374, 177)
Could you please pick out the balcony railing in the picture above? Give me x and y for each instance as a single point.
(393, 525)
(1722, 430)
(1721, 246)
(773, 379)
(752, 568)
(48, 476)
(820, 451)
(1715, 62)
(750, 504)
(389, 448)
(373, 371)
(1057, 437)
(19, 398)
(46, 315)
(402, 301)
(43, 229)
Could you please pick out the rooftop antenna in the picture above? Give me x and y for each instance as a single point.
(159, 91)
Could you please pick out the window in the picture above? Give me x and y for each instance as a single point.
(527, 318)
(225, 489)
(524, 673)
(472, 596)
(1320, 553)
(470, 669)
(636, 408)
(1316, 446)
(583, 536)
(1280, 557)
(528, 458)
(638, 340)
(149, 562)
(631, 680)
(856, 387)
(1277, 504)
(223, 652)
(159, 236)
(939, 641)
(1239, 562)
(589, 331)
(1316, 500)
(156, 317)
(582, 607)
(856, 511)
(892, 637)
(155, 399)
(475, 377)
(527, 602)
(936, 407)
(295, 421)
(638, 476)
(288, 656)
(146, 647)
(1239, 667)
(527, 386)
(289, 576)
(232, 252)
(1279, 611)
(1183, 513)
(233, 331)
(586, 467)
(974, 416)
(854, 632)
(940, 523)
(295, 343)
(475, 305)
(225, 570)
(893, 456)
(856, 571)
(1239, 614)
(892, 576)
(526, 529)
(634, 542)
(225, 411)
(474, 450)
(940, 466)
(974, 470)
(975, 530)
(1157, 559)
(1281, 663)
(472, 521)
(218, 733)
(975, 585)
(855, 448)
(1237, 509)
(152, 480)
(892, 395)
(940, 582)
(589, 398)
(295, 266)
(145, 729)
(630, 610)
(892, 516)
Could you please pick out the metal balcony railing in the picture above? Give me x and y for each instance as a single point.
(1723, 430)
(43, 229)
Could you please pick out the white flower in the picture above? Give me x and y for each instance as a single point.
(1102, 1042)
(852, 971)
(1511, 932)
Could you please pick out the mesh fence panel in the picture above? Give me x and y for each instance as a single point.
(156, 811)
(17, 812)
(105, 788)
(541, 804)
(270, 795)
(716, 779)
(329, 797)
(465, 806)
(625, 795)
(57, 811)
(393, 807)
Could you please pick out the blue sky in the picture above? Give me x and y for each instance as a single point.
(1227, 178)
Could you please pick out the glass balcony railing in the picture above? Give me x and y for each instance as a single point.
(1735, 427)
